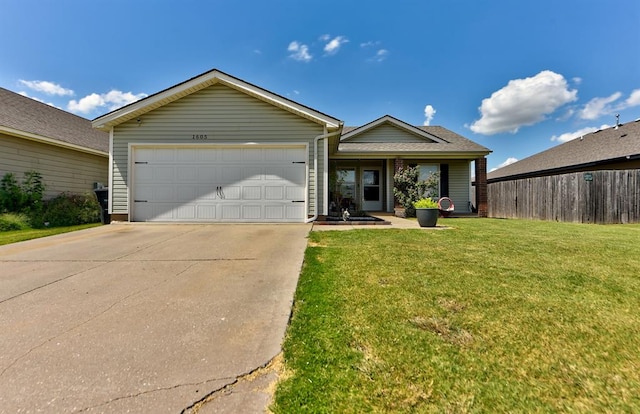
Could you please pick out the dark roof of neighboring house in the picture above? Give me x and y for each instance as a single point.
(38, 119)
(453, 143)
(605, 146)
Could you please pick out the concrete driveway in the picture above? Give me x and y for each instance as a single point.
(146, 318)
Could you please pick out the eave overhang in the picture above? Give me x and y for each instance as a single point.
(50, 141)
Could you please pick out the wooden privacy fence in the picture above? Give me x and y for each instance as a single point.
(601, 197)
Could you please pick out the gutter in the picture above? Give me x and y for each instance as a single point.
(315, 168)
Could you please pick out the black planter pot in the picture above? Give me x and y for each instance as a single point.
(427, 217)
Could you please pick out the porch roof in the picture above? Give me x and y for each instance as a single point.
(449, 144)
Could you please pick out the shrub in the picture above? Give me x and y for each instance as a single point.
(425, 203)
(13, 221)
(25, 198)
(68, 210)
(10, 194)
(408, 189)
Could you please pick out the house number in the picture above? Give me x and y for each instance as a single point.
(200, 136)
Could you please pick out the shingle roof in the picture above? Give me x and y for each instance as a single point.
(454, 143)
(36, 118)
(598, 147)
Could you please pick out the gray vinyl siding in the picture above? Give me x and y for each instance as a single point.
(225, 116)
(62, 169)
(459, 178)
(387, 133)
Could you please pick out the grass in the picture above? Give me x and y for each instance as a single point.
(8, 237)
(492, 316)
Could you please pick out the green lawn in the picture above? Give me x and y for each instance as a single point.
(8, 237)
(491, 316)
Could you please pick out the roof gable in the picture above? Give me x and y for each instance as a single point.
(388, 136)
(607, 145)
(27, 118)
(212, 77)
(388, 129)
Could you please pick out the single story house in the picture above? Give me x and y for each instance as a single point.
(594, 178)
(63, 147)
(217, 148)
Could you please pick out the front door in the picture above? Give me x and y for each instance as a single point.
(371, 189)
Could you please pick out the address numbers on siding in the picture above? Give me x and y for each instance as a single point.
(200, 137)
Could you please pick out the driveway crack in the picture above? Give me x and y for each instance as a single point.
(139, 394)
(274, 365)
(94, 317)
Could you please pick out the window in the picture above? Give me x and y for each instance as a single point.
(425, 170)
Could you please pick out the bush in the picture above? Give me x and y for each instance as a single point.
(408, 189)
(68, 210)
(25, 198)
(425, 203)
(13, 221)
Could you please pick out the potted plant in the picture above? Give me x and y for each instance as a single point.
(426, 212)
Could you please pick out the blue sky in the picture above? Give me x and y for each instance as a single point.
(515, 76)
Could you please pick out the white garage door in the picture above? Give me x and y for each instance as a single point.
(257, 184)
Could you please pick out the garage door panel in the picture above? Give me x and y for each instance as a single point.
(206, 212)
(251, 212)
(294, 193)
(231, 174)
(220, 184)
(188, 192)
(274, 212)
(274, 192)
(251, 192)
(207, 173)
(188, 174)
(252, 155)
(230, 211)
(231, 192)
(163, 174)
(187, 155)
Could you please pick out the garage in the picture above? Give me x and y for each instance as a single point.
(219, 183)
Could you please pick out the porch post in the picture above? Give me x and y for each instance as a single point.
(397, 208)
(481, 186)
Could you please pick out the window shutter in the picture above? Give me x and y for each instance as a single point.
(444, 180)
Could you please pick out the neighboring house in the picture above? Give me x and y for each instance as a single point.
(64, 148)
(594, 178)
(216, 148)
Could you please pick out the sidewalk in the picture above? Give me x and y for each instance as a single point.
(395, 223)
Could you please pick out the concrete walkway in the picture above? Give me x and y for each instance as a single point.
(146, 318)
(395, 223)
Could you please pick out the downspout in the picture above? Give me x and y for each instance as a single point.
(315, 169)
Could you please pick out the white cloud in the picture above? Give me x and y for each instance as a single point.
(577, 80)
(299, 52)
(38, 99)
(370, 43)
(429, 112)
(112, 100)
(325, 37)
(633, 99)
(333, 46)
(568, 136)
(47, 87)
(523, 102)
(381, 55)
(597, 107)
(509, 161)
